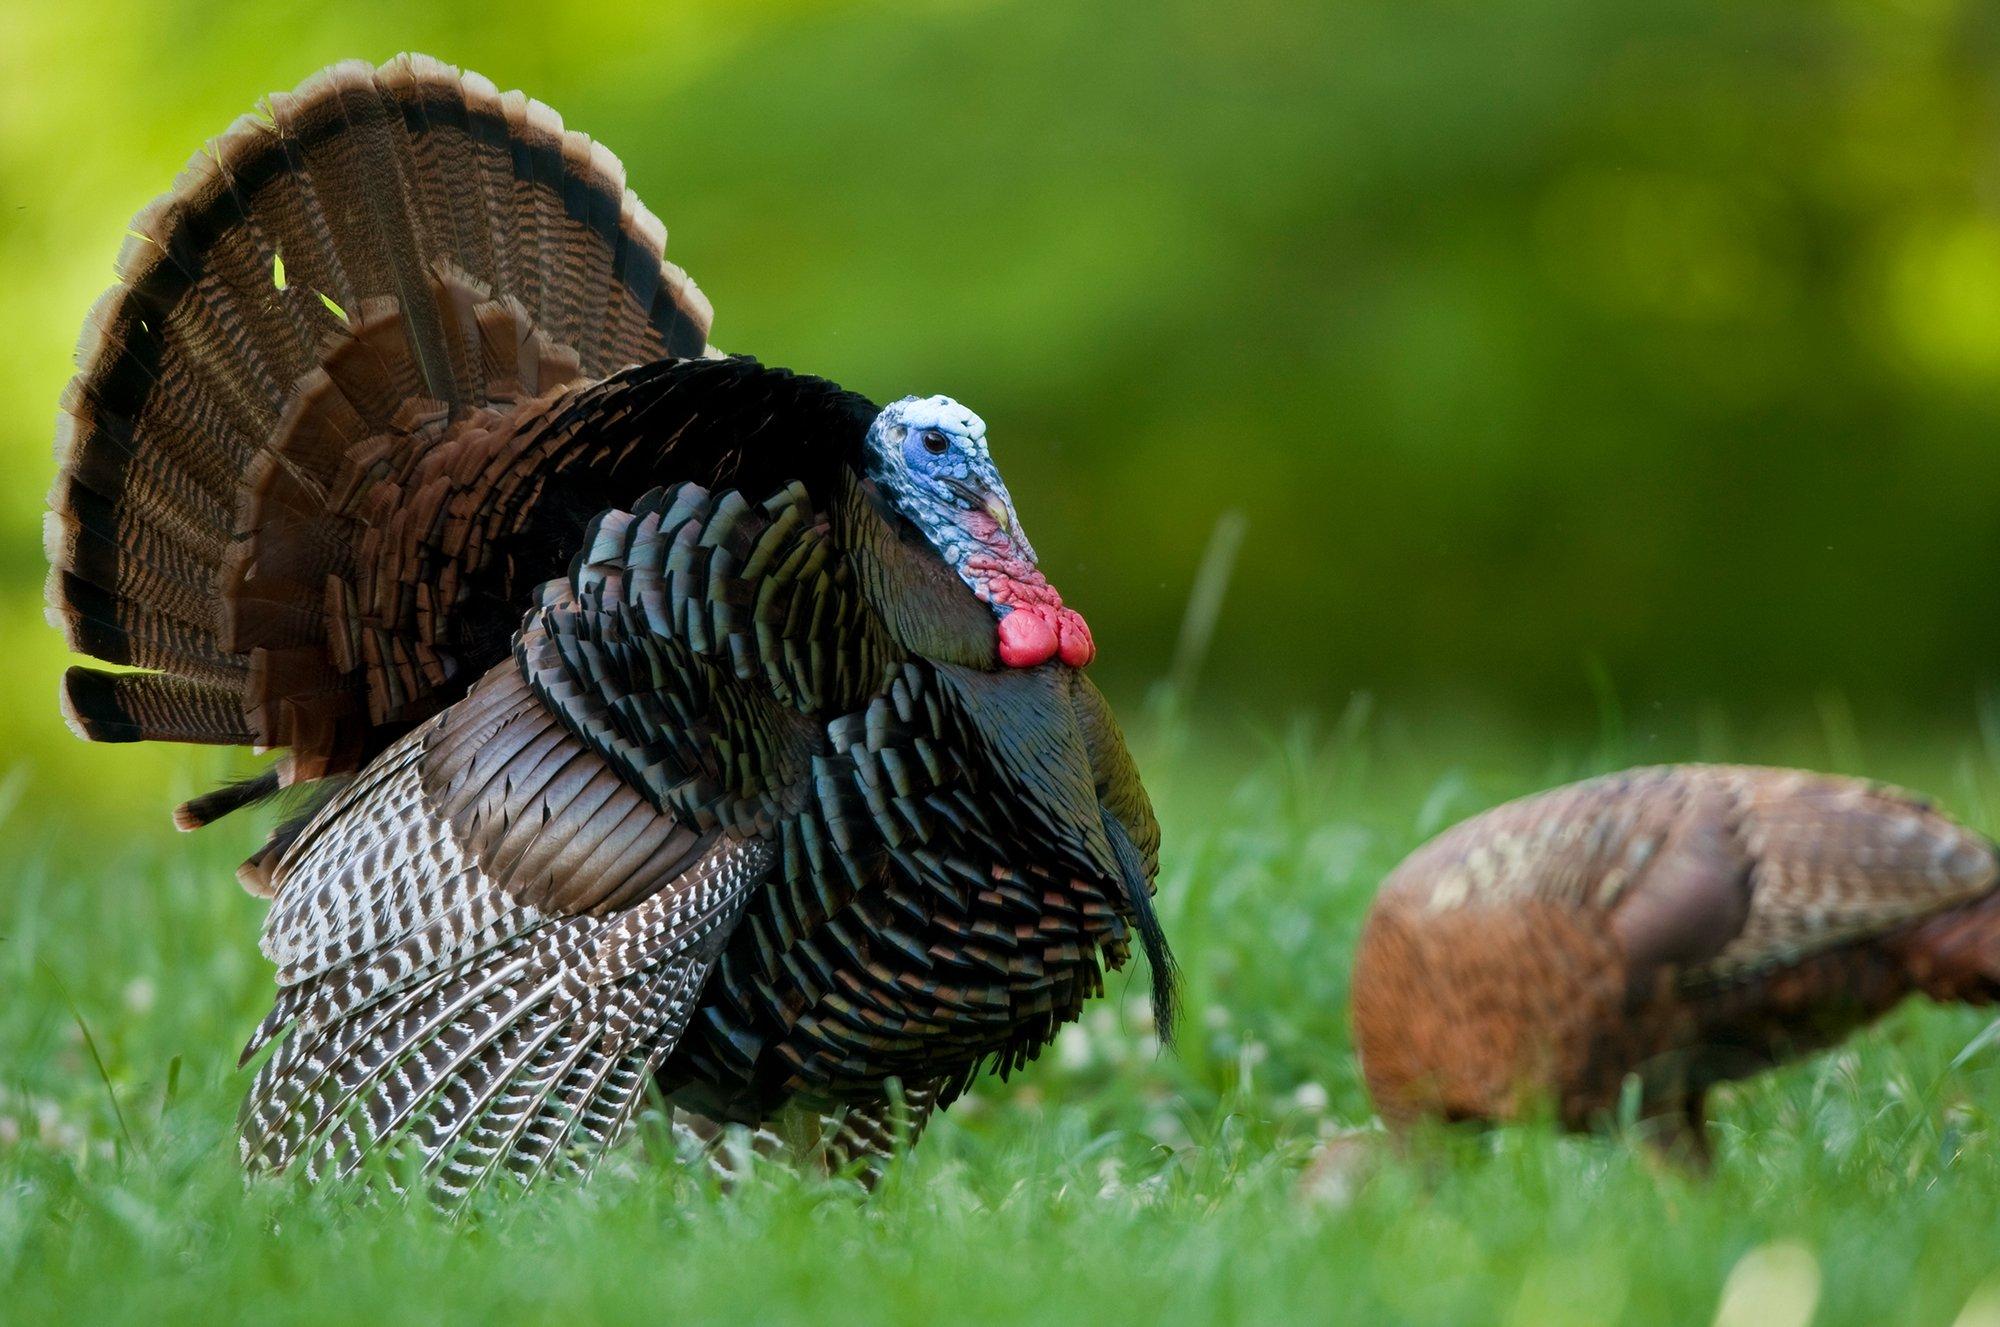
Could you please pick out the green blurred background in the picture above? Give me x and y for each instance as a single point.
(1564, 358)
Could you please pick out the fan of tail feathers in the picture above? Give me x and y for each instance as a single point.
(293, 478)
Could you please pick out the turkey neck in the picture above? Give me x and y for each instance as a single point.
(927, 607)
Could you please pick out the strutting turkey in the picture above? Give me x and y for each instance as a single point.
(665, 716)
(1683, 924)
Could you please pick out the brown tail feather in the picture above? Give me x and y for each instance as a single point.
(143, 707)
(392, 257)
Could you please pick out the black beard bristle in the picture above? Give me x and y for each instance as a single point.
(1152, 937)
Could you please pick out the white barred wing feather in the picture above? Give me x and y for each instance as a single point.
(428, 1013)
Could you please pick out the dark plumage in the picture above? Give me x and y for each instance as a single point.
(668, 717)
(1685, 924)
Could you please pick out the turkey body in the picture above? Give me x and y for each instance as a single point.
(664, 717)
(1677, 927)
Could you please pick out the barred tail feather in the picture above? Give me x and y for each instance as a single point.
(131, 707)
(482, 252)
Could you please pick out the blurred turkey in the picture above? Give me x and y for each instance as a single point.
(663, 716)
(1685, 924)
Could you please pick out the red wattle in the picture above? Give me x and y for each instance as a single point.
(1035, 627)
(1026, 639)
(1078, 648)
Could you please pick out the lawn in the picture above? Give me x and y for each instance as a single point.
(1111, 1182)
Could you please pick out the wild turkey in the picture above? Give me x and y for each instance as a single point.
(665, 716)
(1686, 924)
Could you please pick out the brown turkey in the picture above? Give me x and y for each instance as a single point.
(1685, 925)
(664, 717)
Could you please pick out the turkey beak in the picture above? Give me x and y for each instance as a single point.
(1002, 514)
(992, 504)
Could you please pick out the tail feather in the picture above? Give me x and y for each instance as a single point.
(136, 707)
(141, 570)
(327, 291)
(97, 624)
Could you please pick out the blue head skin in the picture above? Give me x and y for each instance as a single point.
(927, 455)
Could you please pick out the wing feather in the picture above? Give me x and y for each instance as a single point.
(431, 1007)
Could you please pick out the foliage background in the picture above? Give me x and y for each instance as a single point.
(1549, 347)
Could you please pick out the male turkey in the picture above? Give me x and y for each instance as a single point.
(1686, 924)
(665, 716)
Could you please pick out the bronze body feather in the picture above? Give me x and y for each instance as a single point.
(649, 741)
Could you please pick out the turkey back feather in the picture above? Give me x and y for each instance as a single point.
(386, 257)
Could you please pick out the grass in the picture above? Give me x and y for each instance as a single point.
(1109, 1183)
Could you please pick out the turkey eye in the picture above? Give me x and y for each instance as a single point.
(936, 443)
